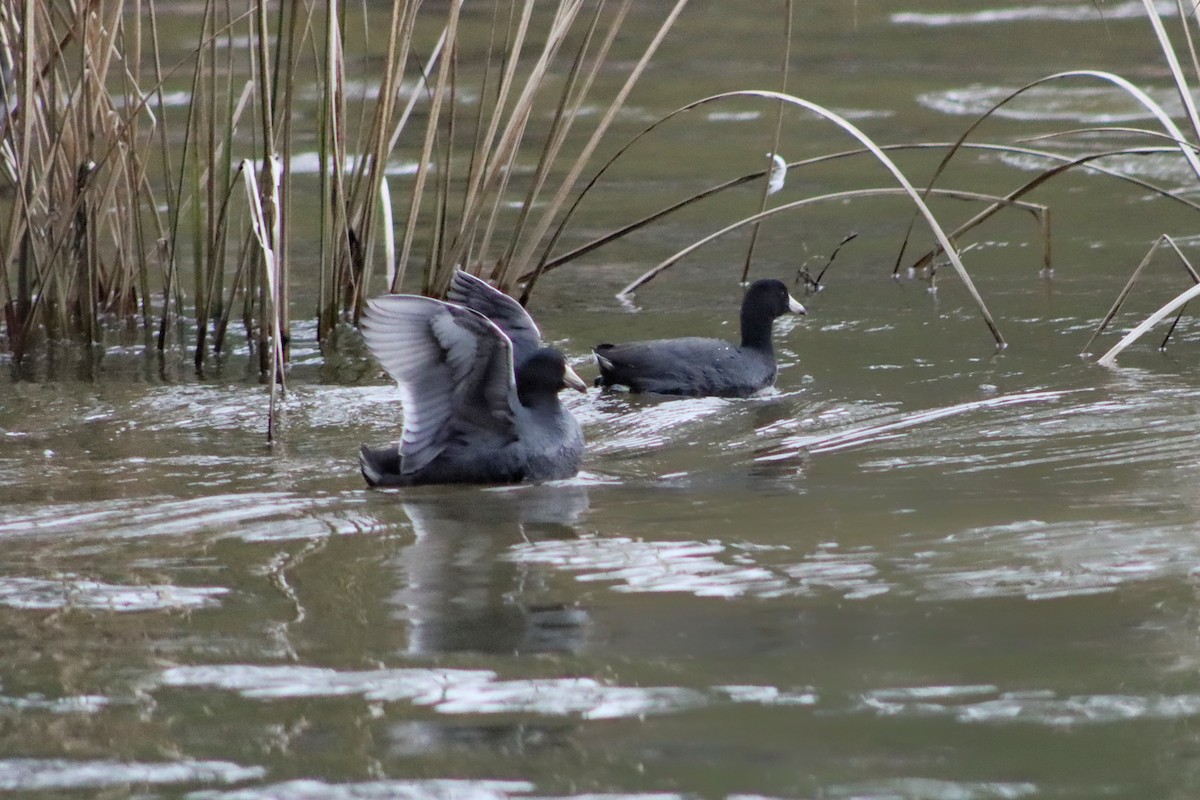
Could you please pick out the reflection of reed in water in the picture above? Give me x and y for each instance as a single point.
(458, 593)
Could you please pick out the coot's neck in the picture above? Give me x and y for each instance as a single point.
(537, 399)
(756, 330)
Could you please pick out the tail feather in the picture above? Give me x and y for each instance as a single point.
(380, 466)
(605, 378)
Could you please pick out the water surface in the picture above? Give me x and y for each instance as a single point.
(919, 568)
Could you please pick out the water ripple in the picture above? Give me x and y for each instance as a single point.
(72, 591)
(444, 789)
(1079, 12)
(34, 774)
(454, 789)
(636, 425)
(932, 789)
(251, 516)
(1133, 430)
(642, 566)
(1092, 105)
(447, 691)
(74, 704)
(1159, 167)
(1031, 707)
(893, 425)
(1069, 558)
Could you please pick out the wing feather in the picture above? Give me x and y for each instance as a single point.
(453, 368)
(509, 315)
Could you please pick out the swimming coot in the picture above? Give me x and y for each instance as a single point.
(468, 417)
(699, 367)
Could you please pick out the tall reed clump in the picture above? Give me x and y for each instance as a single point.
(104, 192)
(77, 243)
(542, 108)
(121, 204)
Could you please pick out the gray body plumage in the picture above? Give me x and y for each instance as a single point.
(691, 366)
(699, 367)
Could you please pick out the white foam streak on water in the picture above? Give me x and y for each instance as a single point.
(1062, 101)
(422, 686)
(637, 425)
(76, 704)
(1079, 12)
(793, 447)
(1030, 707)
(476, 692)
(72, 591)
(251, 516)
(770, 695)
(932, 789)
(1073, 558)
(639, 566)
(310, 163)
(1160, 167)
(446, 691)
(33, 774)
(446, 789)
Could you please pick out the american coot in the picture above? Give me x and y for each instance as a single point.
(699, 367)
(468, 417)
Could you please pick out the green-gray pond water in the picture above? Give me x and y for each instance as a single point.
(918, 569)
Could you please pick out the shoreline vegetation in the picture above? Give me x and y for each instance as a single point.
(125, 204)
(142, 193)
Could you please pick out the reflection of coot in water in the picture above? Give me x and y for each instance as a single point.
(459, 592)
(699, 367)
(468, 416)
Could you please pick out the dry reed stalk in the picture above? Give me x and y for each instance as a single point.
(575, 91)
(431, 131)
(1181, 84)
(431, 136)
(1133, 279)
(554, 207)
(264, 223)
(334, 253)
(1188, 148)
(774, 148)
(547, 263)
(506, 131)
(74, 231)
(486, 140)
(927, 259)
(1039, 212)
(1175, 304)
(363, 185)
(1172, 130)
(106, 172)
(874, 149)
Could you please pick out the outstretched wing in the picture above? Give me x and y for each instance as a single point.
(453, 366)
(511, 317)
